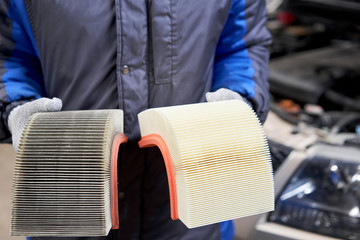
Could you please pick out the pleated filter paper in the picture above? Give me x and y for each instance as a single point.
(216, 157)
(61, 181)
(219, 158)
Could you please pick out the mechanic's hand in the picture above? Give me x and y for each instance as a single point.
(222, 94)
(21, 114)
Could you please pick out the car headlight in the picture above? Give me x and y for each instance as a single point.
(323, 195)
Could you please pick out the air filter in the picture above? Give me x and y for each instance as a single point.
(65, 177)
(217, 160)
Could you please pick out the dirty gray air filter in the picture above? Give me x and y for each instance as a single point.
(65, 179)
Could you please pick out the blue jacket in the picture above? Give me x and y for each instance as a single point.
(133, 55)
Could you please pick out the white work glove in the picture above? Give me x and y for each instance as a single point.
(21, 114)
(222, 94)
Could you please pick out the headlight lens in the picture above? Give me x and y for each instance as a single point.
(323, 196)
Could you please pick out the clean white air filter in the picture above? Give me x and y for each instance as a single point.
(65, 179)
(217, 160)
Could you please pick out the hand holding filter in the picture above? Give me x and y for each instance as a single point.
(222, 94)
(21, 114)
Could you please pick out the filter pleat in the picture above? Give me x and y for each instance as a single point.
(61, 181)
(220, 158)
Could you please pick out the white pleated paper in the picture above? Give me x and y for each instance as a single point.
(61, 181)
(221, 159)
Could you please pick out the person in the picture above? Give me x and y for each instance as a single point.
(132, 55)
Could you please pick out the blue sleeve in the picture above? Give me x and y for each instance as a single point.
(20, 71)
(241, 60)
(227, 230)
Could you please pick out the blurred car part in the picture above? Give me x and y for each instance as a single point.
(328, 76)
(315, 86)
(317, 195)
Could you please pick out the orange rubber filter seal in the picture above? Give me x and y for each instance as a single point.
(118, 140)
(153, 140)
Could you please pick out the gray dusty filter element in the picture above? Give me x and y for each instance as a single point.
(62, 176)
